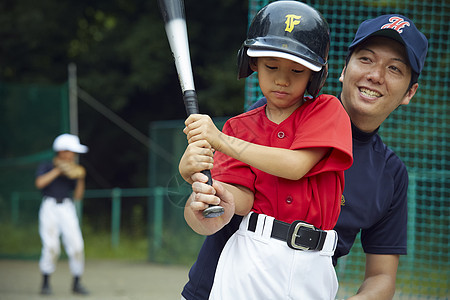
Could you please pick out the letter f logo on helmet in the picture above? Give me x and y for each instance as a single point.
(291, 21)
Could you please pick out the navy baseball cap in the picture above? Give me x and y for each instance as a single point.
(399, 28)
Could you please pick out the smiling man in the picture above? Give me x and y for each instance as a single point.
(381, 79)
(380, 74)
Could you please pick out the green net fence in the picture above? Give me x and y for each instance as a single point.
(418, 133)
(176, 236)
(30, 118)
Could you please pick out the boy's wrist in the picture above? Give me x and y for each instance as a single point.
(222, 140)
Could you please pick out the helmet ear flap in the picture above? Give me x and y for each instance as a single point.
(317, 81)
(244, 69)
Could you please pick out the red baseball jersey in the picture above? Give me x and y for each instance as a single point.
(315, 198)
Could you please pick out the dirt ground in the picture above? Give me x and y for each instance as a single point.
(106, 280)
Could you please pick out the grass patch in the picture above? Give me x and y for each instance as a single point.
(23, 242)
(19, 241)
(99, 246)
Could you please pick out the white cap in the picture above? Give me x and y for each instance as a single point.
(279, 54)
(69, 142)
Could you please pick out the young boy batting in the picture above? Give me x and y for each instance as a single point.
(283, 163)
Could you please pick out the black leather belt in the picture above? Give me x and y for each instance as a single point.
(298, 235)
(58, 200)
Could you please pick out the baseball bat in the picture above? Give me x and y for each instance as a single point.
(175, 24)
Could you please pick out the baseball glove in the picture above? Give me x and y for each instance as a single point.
(70, 169)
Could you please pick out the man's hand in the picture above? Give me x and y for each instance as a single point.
(203, 195)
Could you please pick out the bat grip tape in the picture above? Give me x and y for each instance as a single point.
(190, 102)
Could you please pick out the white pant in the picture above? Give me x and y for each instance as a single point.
(255, 266)
(55, 220)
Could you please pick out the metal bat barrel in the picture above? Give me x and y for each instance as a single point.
(175, 24)
(171, 9)
(176, 30)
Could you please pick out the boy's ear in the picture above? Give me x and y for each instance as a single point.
(253, 64)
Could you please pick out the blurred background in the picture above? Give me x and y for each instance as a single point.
(103, 70)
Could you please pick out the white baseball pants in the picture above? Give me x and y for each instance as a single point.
(55, 220)
(255, 266)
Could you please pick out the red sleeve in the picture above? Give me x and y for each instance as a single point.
(325, 123)
(230, 170)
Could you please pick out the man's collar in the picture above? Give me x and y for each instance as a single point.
(362, 136)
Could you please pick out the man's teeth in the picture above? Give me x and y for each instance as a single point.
(370, 93)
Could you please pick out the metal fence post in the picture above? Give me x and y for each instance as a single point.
(158, 218)
(15, 207)
(115, 217)
(79, 210)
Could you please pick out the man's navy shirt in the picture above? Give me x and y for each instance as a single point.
(374, 203)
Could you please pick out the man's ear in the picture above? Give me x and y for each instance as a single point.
(253, 64)
(341, 78)
(409, 94)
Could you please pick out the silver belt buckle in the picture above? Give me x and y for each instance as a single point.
(294, 235)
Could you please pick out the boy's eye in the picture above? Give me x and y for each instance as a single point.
(297, 71)
(271, 67)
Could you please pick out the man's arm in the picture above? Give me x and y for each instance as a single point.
(197, 157)
(204, 194)
(379, 279)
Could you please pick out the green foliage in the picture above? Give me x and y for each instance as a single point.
(123, 60)
(120, 49)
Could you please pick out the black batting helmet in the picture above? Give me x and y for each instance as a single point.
(295, 29)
